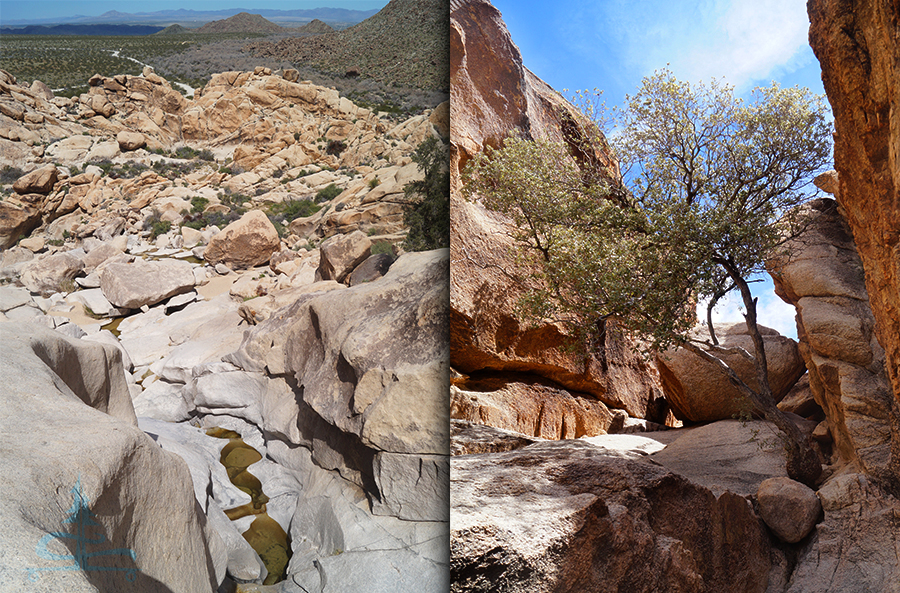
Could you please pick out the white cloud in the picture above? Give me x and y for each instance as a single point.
(743, 41)
(771, 311)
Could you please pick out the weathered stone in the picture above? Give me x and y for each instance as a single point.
(789, 508)
(823, 278)
(39, 181)
(854, 548)
(341, 254)
(537, 408)
(245, 243)
(54, 273)
(858, 49)
(701, 392)
(134, 499)
(133, 285)
(577, 515)
(129, 140)
(468, 438)
(373, 268)
(15, 222)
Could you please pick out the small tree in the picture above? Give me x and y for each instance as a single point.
(427, 212)
(708, 178)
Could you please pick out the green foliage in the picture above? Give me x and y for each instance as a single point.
(156, 226)
(707, 177)
(335, 147)
(428, 214)
(289, 210)
(374, 182)
(382, 247)
(198, 204)
(10, 174)
(328, 193)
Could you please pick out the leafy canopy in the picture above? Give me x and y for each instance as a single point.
(706, 179)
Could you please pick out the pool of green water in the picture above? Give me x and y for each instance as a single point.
(265, 535)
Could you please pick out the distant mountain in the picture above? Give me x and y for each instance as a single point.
(100, 29)
(174, 30)
(406, 43)
(167, 17)
(314, 27)
(241, 23)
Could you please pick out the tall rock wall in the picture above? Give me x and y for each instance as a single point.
(858, 46)
(492, 96)
(823, 278)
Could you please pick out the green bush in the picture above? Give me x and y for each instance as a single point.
(374, 182)
(198, 204)
(428, 215)
(328, 193)
(382, 247)
(10, 174)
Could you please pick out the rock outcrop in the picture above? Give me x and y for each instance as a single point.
(823, 278)
(493, 95)
(595, 515)
(857, 46)
(88, 480)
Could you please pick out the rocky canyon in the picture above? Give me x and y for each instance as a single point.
(609, 471)
(221, 369)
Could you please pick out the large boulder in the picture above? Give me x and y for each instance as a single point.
(89, 480)
(247, 242)
(129, 140)
(854, 548)
(51, 274)
(857, 46)
(16, 221)
(789, 508)
(699, 391)
(536, 408)
(823, 278)
(494, 95)
(597, 516)
(39, 181)
(131, 286)
(341, 254)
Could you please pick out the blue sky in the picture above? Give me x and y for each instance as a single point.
(613, 44)
(30, 9)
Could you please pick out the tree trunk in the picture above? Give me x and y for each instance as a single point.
(802, 462)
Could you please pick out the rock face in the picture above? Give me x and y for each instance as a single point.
(72, 441)
(538, 408)
(130, 140)
(370, 365)
(701, 392)
(341, 254)
(854, 548)
(789, 508)
(131, 286)
(244, 243)
(596, 516)
(493, 95)
(823, 279)
(857, 46)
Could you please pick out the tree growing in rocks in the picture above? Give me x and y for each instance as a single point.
(427, 212)
(706, 178)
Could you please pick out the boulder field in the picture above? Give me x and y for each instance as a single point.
(178, 274)
(612, 472)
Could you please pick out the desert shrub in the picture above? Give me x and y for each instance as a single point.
(328, 193)
(10, 174)
(198, 204)
(335, 147)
